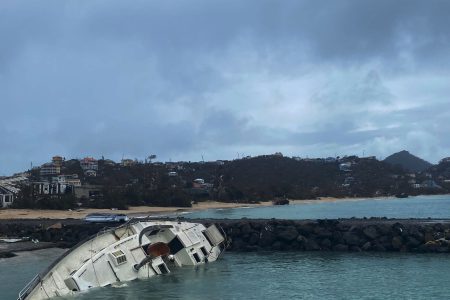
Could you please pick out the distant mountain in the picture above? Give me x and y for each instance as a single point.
(408, 161)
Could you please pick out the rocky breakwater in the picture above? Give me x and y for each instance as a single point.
(339, 235)
(412, 235)
(40, 234)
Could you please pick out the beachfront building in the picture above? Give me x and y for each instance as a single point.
(72, 180)
(51, 188)
(127, 162)
(6, 197)
(50, 169)
(89, 163)
(57, 160)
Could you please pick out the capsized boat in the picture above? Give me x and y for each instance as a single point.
(137, 250)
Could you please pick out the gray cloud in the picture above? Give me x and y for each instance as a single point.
(185, 78)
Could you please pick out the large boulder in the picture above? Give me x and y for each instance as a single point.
(301, 239)
(288, 234)
(447, 234)
(311, 245)
(326, 244)
(246, 229)
(355, 249)
(412, 242)
(416, 233)
(431, 246)
(378, 247)
(428, 237)
(351, 238)
(238, 244)
(306, 229)
(398, 228)
(254, 238)
(371, 232)
(337, 237)
(366, 246)
(397, 242)
(266, 239)
(322, 232)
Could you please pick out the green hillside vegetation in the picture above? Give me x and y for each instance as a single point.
(261, 178)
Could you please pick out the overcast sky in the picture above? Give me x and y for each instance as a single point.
(182, 79)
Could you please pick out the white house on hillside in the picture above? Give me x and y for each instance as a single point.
(6, 197)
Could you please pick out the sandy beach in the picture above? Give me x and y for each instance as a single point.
(132, 211)
(149, 210)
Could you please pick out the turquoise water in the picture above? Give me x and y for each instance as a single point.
(282, 275)
(17, 271)
(412, 207)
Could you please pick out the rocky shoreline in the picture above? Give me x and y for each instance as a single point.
(381, 235)
(245, 235)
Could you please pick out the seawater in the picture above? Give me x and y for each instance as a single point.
(437, 207)
(280, 275)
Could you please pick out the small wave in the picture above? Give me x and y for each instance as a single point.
(119, 285)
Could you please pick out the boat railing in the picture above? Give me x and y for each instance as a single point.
(35, 281)
(26, 290)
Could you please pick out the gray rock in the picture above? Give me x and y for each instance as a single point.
(412, 242)
(266, 239)
(366, 246)
(428, 236)
(337, 237)
(289, 234)
(301, 239)
(323, 232)
(311, 245)
(397, 242)
(326, 243)
(246, 229)
(371, 232)
(379, 248)
(447, 234)
(351, 238)
(254, 238)
(340, 247)
(416, 233)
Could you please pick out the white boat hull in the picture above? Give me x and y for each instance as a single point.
(122, 254)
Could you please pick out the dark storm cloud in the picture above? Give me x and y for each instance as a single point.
(177, 78)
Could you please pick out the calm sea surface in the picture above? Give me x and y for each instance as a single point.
(283, 275)
(412, 207)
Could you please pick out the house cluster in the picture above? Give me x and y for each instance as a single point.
(9, 188)
(89, 166)
(200, 183)
(52, 182)
(316, 160)
(422, 181)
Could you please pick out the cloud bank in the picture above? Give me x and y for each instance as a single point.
(182, 79)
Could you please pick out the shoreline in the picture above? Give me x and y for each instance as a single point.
(133, 211)
(140, 211)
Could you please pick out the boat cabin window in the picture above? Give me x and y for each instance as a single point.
(175, 245)
(196, 257)
(205, 253)
(163, 269)
(207, 238)
(119, 257)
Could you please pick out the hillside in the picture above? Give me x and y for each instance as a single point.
(408, 161)
(250, 179)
